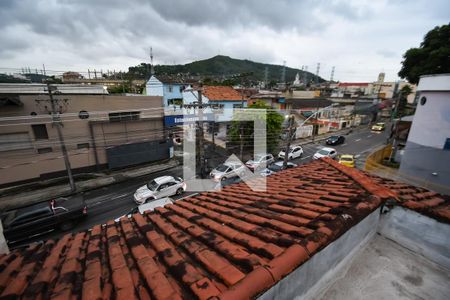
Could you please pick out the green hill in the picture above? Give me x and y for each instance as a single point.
(221, 68)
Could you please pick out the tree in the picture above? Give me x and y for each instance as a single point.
(403, 110)
(243, 131)
(432, 57)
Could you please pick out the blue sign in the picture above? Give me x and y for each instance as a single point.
(185, 119)
(281, 100)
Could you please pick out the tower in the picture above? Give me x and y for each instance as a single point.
(283, 73)
(332, 74)
(266, 77)
(317, 73)
(381, 77)
(152, 70)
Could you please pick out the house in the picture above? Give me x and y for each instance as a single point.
(100, 132)
(426, 155)
(166, 87)
(273, 99)
(229, 99)
(322, 230)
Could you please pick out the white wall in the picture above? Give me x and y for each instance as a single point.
(431, 124)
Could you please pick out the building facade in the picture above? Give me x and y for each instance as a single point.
(427, 151)
(100, 131)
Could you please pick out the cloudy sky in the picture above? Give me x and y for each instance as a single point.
(361, 38)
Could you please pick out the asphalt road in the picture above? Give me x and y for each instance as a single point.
(116, 200)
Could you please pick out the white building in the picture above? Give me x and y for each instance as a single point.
(427, 151)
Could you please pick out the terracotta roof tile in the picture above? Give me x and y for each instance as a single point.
(222, 93)
(418, 199)
(231, 244)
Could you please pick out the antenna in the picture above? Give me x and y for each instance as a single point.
(332, 73)
(305, 75)
(266, 76)
(283, 72)
(152, 70)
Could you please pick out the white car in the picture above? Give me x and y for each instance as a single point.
(149, 206)
(294, 152)
(325, 152)
(259, 161)
(227, 170)
(276, 167)
(160, 187)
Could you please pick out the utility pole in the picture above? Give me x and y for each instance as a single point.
(288, 145)
(315, 121)
(201, 150)
(56, 121)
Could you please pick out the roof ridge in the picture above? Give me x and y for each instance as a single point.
(365, 181)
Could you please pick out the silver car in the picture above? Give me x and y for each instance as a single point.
(227, 170)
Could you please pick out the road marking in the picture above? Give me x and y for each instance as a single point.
(119, 196)
(357, 155)
(305, 157)
(344, 144)
(357, 140)
(369, 136)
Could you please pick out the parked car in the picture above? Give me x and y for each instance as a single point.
(227, 181)
(148, 206)
(276, 167)
(294, 152)
(227, 170)
(378, 127)
(259, 160)
(164, 186)
(325, 152)
(335, 140)
(347, 160)
(25, 222)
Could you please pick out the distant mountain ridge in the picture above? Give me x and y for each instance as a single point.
(221, 66)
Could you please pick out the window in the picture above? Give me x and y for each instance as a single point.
(45, 150)
(83, 114)
(423, 100)
(124, 116)
(40, 132)
(237, 105)
(170, 89)
(15, 141)
(447, 144)
(83, 146)
(175, 101)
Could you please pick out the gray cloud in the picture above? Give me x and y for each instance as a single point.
(117, 33)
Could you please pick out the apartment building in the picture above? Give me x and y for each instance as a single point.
(100, 132)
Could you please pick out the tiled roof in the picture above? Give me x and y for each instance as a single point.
(222, 93)
(426, 202)
(232, 244)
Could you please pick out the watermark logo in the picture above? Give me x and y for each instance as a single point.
(253, 179)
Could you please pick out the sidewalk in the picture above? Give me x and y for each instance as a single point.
(12, 198)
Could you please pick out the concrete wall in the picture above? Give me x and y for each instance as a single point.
(318, 273)
(430, 128)
(420, 162)
(418, 233)
(27, 164)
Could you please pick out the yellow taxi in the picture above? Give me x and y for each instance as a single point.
(378, 127)
(347, 160)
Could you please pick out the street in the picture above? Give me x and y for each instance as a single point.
(116, 200)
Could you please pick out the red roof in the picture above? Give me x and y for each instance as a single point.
(232, 244)
(222, 93)
(360, 84)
